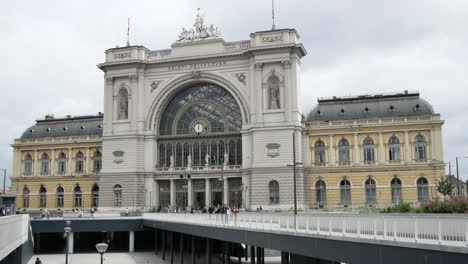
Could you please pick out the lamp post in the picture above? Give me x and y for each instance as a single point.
(67, 230)
(101, 248)
(294, 177)
(4, 179)
(458, 175)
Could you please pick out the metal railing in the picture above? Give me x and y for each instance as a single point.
(424, 229)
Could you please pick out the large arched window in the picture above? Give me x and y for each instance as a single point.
(95, 196)
(370, 191)
(79, 161)
(343, 151)
(28, 160)
(97, 162)
(394, 149)
(45, 164)
(420, 148)
(42, 197)
(60, 196)
(77, 196)
(25, 197)
(274, 192)
(345, 191)
(117, 195)
(395, 185)
(319, 152)
(369, 154)
(321, 193)
(62, 163)
(423, 190)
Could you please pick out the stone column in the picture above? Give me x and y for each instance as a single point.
(131, 241)
(381, 149)
(259, 92)
(156, 193)
(173, 193)
(226, 191)
(35, 164)
(69, 162)
(331, 149)
(357, 157)
(207, 192)
(245, 192)
(407, 147)
(286, 92)
(432, 146)
(190, 193)
(87, 162)
(70, 243)
(52, 166)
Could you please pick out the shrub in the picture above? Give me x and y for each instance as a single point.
(458, 206)
(398, 208)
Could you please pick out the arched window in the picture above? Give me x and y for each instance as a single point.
(186, 154)
(43, 197)
(221, 151)
(97, 162)
(343, 151)
(423, 190)
(369, 150)
(117, 195)
(214, 153)
(273, 92)
(79, 162)
(25, 197)
(45, 164)
(204, 152)
(394, 149)
(345, 190)
(274, 192)
(370, 191)
(62, 163)
(319, 152)
(169, 155)
(95, 195)
(60, 196)
(28, 164)
(196, 154)
(122, 104)
(420, 148)
(77, 196)
(238, 152)
(178, 155)
(397, 196)
(162, 155)
(321, 193)
(232, 152)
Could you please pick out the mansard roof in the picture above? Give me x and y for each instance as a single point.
(65, 127)
(370, 106)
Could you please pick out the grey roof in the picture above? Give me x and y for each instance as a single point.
(370, 106)
(64, 127)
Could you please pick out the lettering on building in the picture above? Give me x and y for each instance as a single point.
(197, 66)
(122, 55)
(272, 38)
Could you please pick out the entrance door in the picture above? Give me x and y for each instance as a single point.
(199, 200)
(217, 198)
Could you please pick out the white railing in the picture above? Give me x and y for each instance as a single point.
(438, 230)
(13, 233)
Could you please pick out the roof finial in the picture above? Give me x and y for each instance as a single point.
(128, 33)
(273, 27)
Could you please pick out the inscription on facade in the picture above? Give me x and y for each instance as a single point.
(122, 55)
(197, 66)
(272, 38)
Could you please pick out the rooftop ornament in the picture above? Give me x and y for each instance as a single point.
(199, 32)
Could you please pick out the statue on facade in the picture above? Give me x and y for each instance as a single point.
(123, 104)
(207, 160)
(226, 159)
(172, 161)
(200, 31)
(189, 161)
(274, 91)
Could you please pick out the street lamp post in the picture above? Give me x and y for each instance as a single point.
(67, 230)
(4, 179)
(101, 248)
(458, 175)
(294, 178)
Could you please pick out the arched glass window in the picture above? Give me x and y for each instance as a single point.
(345, 191)
(394, 149)
(122, 104)
(186, 154)
(45, 164)
(420, 148)
(369, 150)
(370, 191)
(214, 153)
(343, 151)
(221, 150)
(169, 155)
(95, 195)
(117, 195)
(178, 155)
(28, 164)
(238, 151)
(232, 152)
(274, 192)
(62, 163)
(42, 197)
(79, 160)
(162, 155)
(25, 197)
(397, 196)
(204, 152)
(319, 152)
(423, 190)
(196, 154)
(97, 162)
(77, 196)
(273, 92)
(60, 196)
(321, 193)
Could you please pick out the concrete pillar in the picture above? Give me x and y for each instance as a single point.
(36, 164)
(156, 193)
(70, 162)
(131, 241)
(357, 152)
(381, 149)
(190, 193)
(226, 191)
(52, 167)
(70, 243)
(207, 192)
(331, 150)
(173, 193)
(407, 147)
(87, 162)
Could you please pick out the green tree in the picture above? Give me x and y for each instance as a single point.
(444, 186)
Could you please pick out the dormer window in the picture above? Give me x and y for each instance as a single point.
(342, 111)
(65, 129)
(366, 109)
(391, 108)
(319, 112)
(100, 126)
(48, 130)
(82, 127)
(417, 107)
(31, 131)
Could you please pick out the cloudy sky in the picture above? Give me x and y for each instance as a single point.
(49, 51)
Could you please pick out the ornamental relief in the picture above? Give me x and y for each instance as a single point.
(241, 77)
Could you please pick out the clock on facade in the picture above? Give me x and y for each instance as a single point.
(198, 128)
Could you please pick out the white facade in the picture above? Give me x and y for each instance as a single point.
(140, 84)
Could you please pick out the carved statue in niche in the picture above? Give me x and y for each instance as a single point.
(207, 160)
(274, 92)
(123, 104)
(171, 159)
(189, 161)
(226, 159)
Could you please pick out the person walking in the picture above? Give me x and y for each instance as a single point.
(38, 261)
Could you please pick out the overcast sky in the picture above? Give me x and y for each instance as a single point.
(49, 51)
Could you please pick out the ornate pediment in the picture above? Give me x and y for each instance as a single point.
(199, 31)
